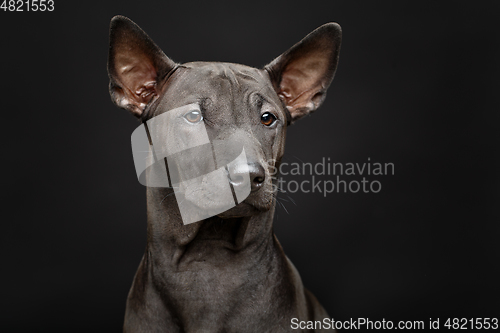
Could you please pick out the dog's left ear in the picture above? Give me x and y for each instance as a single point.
(302, 74)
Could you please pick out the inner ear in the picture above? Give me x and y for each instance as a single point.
(137, 67)
(302, 75)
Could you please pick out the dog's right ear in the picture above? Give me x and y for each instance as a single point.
(137, 67)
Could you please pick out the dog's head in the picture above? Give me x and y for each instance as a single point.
(234, 107)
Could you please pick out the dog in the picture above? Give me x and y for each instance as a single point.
(226, 272)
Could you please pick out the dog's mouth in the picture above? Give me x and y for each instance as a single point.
(210, 201)
(241, 210)
(230, 232)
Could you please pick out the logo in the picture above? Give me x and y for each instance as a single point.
(173, 150)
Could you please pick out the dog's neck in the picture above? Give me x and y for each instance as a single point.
(214, 242)
(212, 263)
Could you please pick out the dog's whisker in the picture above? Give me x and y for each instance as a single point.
(290, 198)
(280, 190)
(166, 196)
(282, 205)
(298, 158)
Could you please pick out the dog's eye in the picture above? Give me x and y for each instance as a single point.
(267, 118)
(193, 117)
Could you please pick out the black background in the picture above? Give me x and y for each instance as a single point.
(417, 86)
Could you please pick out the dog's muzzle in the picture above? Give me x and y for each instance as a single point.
(208, 177)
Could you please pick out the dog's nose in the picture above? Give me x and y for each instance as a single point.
(256, 175)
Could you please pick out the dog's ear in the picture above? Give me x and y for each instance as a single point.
(136, 66)
(302, 74)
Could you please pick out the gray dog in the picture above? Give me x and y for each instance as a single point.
(228, 272)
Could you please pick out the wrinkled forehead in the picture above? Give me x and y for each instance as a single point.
(220, 82)
(235, 75)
